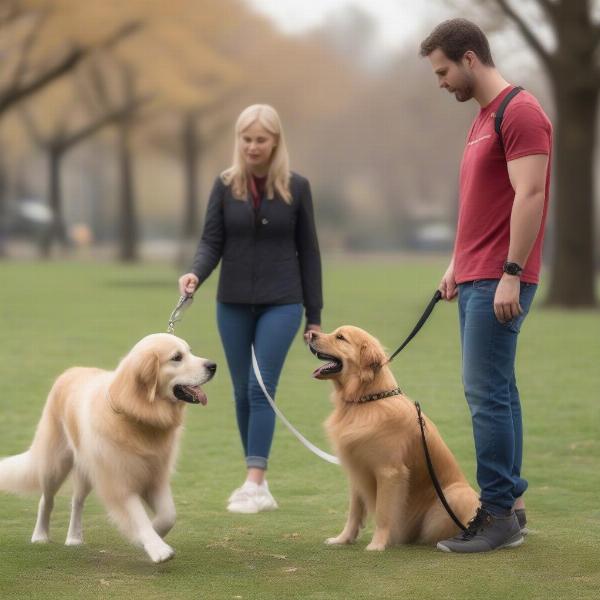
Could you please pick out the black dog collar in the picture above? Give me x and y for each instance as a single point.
(379, 395)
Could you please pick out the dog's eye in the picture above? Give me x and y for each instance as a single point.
(178, 357)
(339, 336)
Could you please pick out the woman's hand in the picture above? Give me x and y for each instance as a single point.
(310, 327)
(188, 284)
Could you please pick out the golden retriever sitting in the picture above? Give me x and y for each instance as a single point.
(118, 432)
(378, 441)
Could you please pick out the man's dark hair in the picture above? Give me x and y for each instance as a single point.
(455, 37)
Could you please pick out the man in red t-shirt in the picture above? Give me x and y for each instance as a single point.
(504, 183)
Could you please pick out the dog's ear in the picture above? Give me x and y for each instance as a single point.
(147, 373)
(371, 360)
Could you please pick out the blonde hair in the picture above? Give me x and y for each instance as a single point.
(278, 178)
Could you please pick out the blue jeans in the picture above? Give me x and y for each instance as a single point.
(488, 355)
(271, 328)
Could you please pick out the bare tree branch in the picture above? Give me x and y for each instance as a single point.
(98, 84)
(27, 45)
(526, 31)
(104, 120)
(121, 33)
(31, 127)
(10, 97)
(84, 91)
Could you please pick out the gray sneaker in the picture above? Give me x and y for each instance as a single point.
(484, 533)
(522, 518)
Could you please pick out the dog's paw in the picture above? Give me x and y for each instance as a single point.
(40, 538)
(159, 551)
(73, 541)
(376, 546)
(338, 541)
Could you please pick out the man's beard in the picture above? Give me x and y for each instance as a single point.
(464, 93)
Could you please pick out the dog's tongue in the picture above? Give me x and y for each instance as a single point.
(198, 394)
(318, 370)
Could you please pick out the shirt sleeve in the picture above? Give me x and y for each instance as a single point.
(525, 131)
(309, 257)
(210, 247)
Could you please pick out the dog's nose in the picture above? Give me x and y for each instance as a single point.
(212, 367)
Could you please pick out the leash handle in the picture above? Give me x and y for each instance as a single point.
(432, 475)
(436, 298)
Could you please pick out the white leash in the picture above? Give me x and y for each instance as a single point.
(177, 314)
(320, 453)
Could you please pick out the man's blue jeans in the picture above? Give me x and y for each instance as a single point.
(488, 355)
(271, 328)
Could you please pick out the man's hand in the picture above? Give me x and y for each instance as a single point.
(448, 284)
(506, 300)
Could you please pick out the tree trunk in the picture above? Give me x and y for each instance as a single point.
(3, 213)
(128, 233)
(572, 276)
(57, 230)
(191, 153)
(191, 222)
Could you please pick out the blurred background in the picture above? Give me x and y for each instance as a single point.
(116, 117)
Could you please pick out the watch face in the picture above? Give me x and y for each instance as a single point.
(512, 268)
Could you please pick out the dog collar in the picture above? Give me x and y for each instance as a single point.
(379, 395)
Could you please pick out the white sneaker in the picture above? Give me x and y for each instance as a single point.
(251, 498)
(249, 487)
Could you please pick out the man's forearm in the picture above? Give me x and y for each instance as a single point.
(525, 222)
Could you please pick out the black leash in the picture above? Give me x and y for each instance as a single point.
(436, 298)
(432, 475)
(436, 484)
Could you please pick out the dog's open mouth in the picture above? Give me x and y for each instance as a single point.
(332, 366)
(190, 393)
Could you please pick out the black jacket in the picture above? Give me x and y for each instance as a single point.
(270, 255)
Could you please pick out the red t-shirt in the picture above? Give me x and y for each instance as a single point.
(486, 194)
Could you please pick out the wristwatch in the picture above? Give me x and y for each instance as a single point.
(512, 268)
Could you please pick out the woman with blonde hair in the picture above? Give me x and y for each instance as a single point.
(259, 223)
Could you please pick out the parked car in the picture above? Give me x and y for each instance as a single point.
(432, 236)
(28, 217)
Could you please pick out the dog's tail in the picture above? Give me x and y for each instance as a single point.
(25, 472)
(18, 474)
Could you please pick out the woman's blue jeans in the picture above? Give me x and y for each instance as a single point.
(488, 355)
(271, 328)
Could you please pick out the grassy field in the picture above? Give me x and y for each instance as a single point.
(55, 315)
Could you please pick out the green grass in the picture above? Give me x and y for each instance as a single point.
(55, 315)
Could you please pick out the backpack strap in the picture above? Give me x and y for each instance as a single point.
(502, 108)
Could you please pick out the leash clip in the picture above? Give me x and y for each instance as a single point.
(184, 302)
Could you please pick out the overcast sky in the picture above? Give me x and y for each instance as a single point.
(397, 20)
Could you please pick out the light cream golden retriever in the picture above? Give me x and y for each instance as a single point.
(118, 432)
(379, 445)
